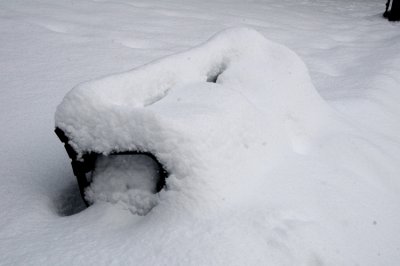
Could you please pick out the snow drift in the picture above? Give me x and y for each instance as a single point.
(309, 195)
(201, 114)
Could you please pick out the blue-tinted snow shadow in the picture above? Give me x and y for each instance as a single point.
(69, 201)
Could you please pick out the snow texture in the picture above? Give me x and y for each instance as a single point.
(196, 128)
(127, 180)
(270, 163)
(156, 107)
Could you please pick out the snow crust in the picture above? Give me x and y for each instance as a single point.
(263, 171)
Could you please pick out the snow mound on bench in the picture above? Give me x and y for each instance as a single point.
(210, 115)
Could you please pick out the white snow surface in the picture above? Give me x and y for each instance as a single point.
(261, 101)
(273, 164)
(127, 180)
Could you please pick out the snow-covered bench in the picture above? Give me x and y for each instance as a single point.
(202, 115)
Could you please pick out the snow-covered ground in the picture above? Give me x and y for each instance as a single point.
(304, 180)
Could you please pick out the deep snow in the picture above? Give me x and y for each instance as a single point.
(261, 100)
(329, 195)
